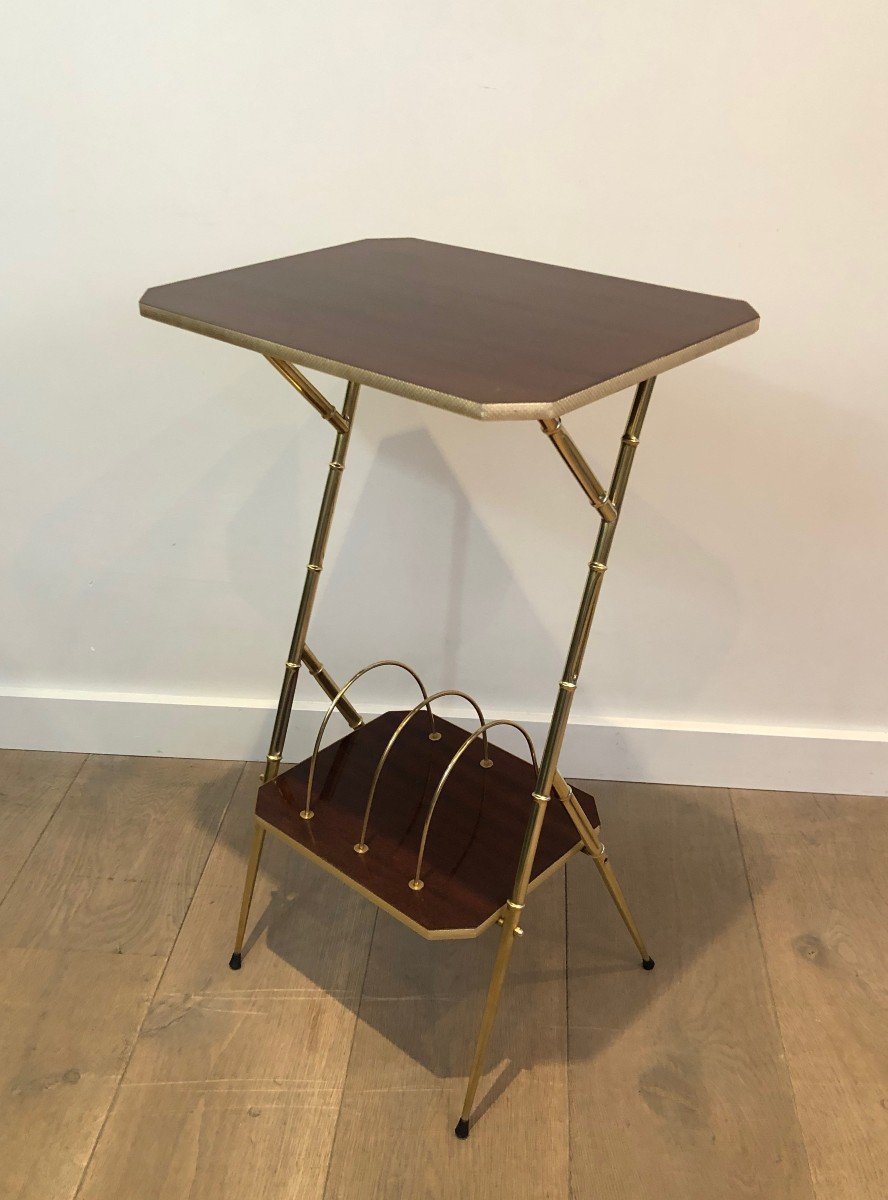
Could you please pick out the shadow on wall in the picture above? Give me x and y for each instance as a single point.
(402, 573)
(425, 569)
(211, 582)
(440, 594)
(423, 579)
(417, 574)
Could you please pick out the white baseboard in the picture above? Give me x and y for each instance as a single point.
(646, 751)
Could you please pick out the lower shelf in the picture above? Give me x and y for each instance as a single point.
(474, 839)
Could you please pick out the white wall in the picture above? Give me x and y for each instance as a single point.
(159, 489)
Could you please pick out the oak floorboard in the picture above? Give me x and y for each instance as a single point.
(235, 1082)
(678, 1087)
(67, 1025)
(264, 1083)
(32, 784)
(116, 868)
(418, 1020)
(817, 867)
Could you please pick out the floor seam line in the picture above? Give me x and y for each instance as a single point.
(567, 1033)
(351, 1048)
(129, 1057)
(42, 833)
(779, 1024)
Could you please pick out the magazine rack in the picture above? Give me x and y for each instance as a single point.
(445, 832)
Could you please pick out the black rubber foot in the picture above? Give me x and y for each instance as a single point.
(462, 1128)
(235, 962)
(648, 964)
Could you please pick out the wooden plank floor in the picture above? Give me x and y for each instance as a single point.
(753, 1062)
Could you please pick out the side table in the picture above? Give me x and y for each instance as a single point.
(403, 809)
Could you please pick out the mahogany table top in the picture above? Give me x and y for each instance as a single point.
(484, 335)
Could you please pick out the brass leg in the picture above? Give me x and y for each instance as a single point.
(610, 882)
(609, 508)
(594, 847)
(249, 884)
(511, 917)
(299, 652)
(497, 979)
(316, 561)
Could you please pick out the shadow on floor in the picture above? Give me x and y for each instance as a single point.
(426, 997)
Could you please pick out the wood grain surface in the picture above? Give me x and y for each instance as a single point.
(68, 1023)
(817, 868)
(476, 832)
(238, 1075)
(116, 868)
(483, 334)
(419, 1016)
(32, 783)
(750, 1063)
(675, 1076)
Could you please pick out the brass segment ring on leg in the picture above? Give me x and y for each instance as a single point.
(306, 388)
(548, 772)
(575, 462)
(309, 587)
(329, 687)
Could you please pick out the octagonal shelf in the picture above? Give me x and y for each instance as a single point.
(475, 835)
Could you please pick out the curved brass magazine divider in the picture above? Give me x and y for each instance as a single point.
(416, 883)
(306, 813)
(362, 847)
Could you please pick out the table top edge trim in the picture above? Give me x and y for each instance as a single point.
(522, 411)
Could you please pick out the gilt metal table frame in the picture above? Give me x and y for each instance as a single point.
(608, 504)
(551, 340)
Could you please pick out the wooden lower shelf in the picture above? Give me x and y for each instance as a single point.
(475, 836)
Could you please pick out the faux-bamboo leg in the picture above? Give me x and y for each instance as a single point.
(609, 509)
(491, 1004)
(313, 571)
(610, 882)
(595, 849)
(299, 653)
(510, 931)
(249, 885)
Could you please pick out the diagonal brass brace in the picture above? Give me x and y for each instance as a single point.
(579, 468)
(330, 688)
(307, 389)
